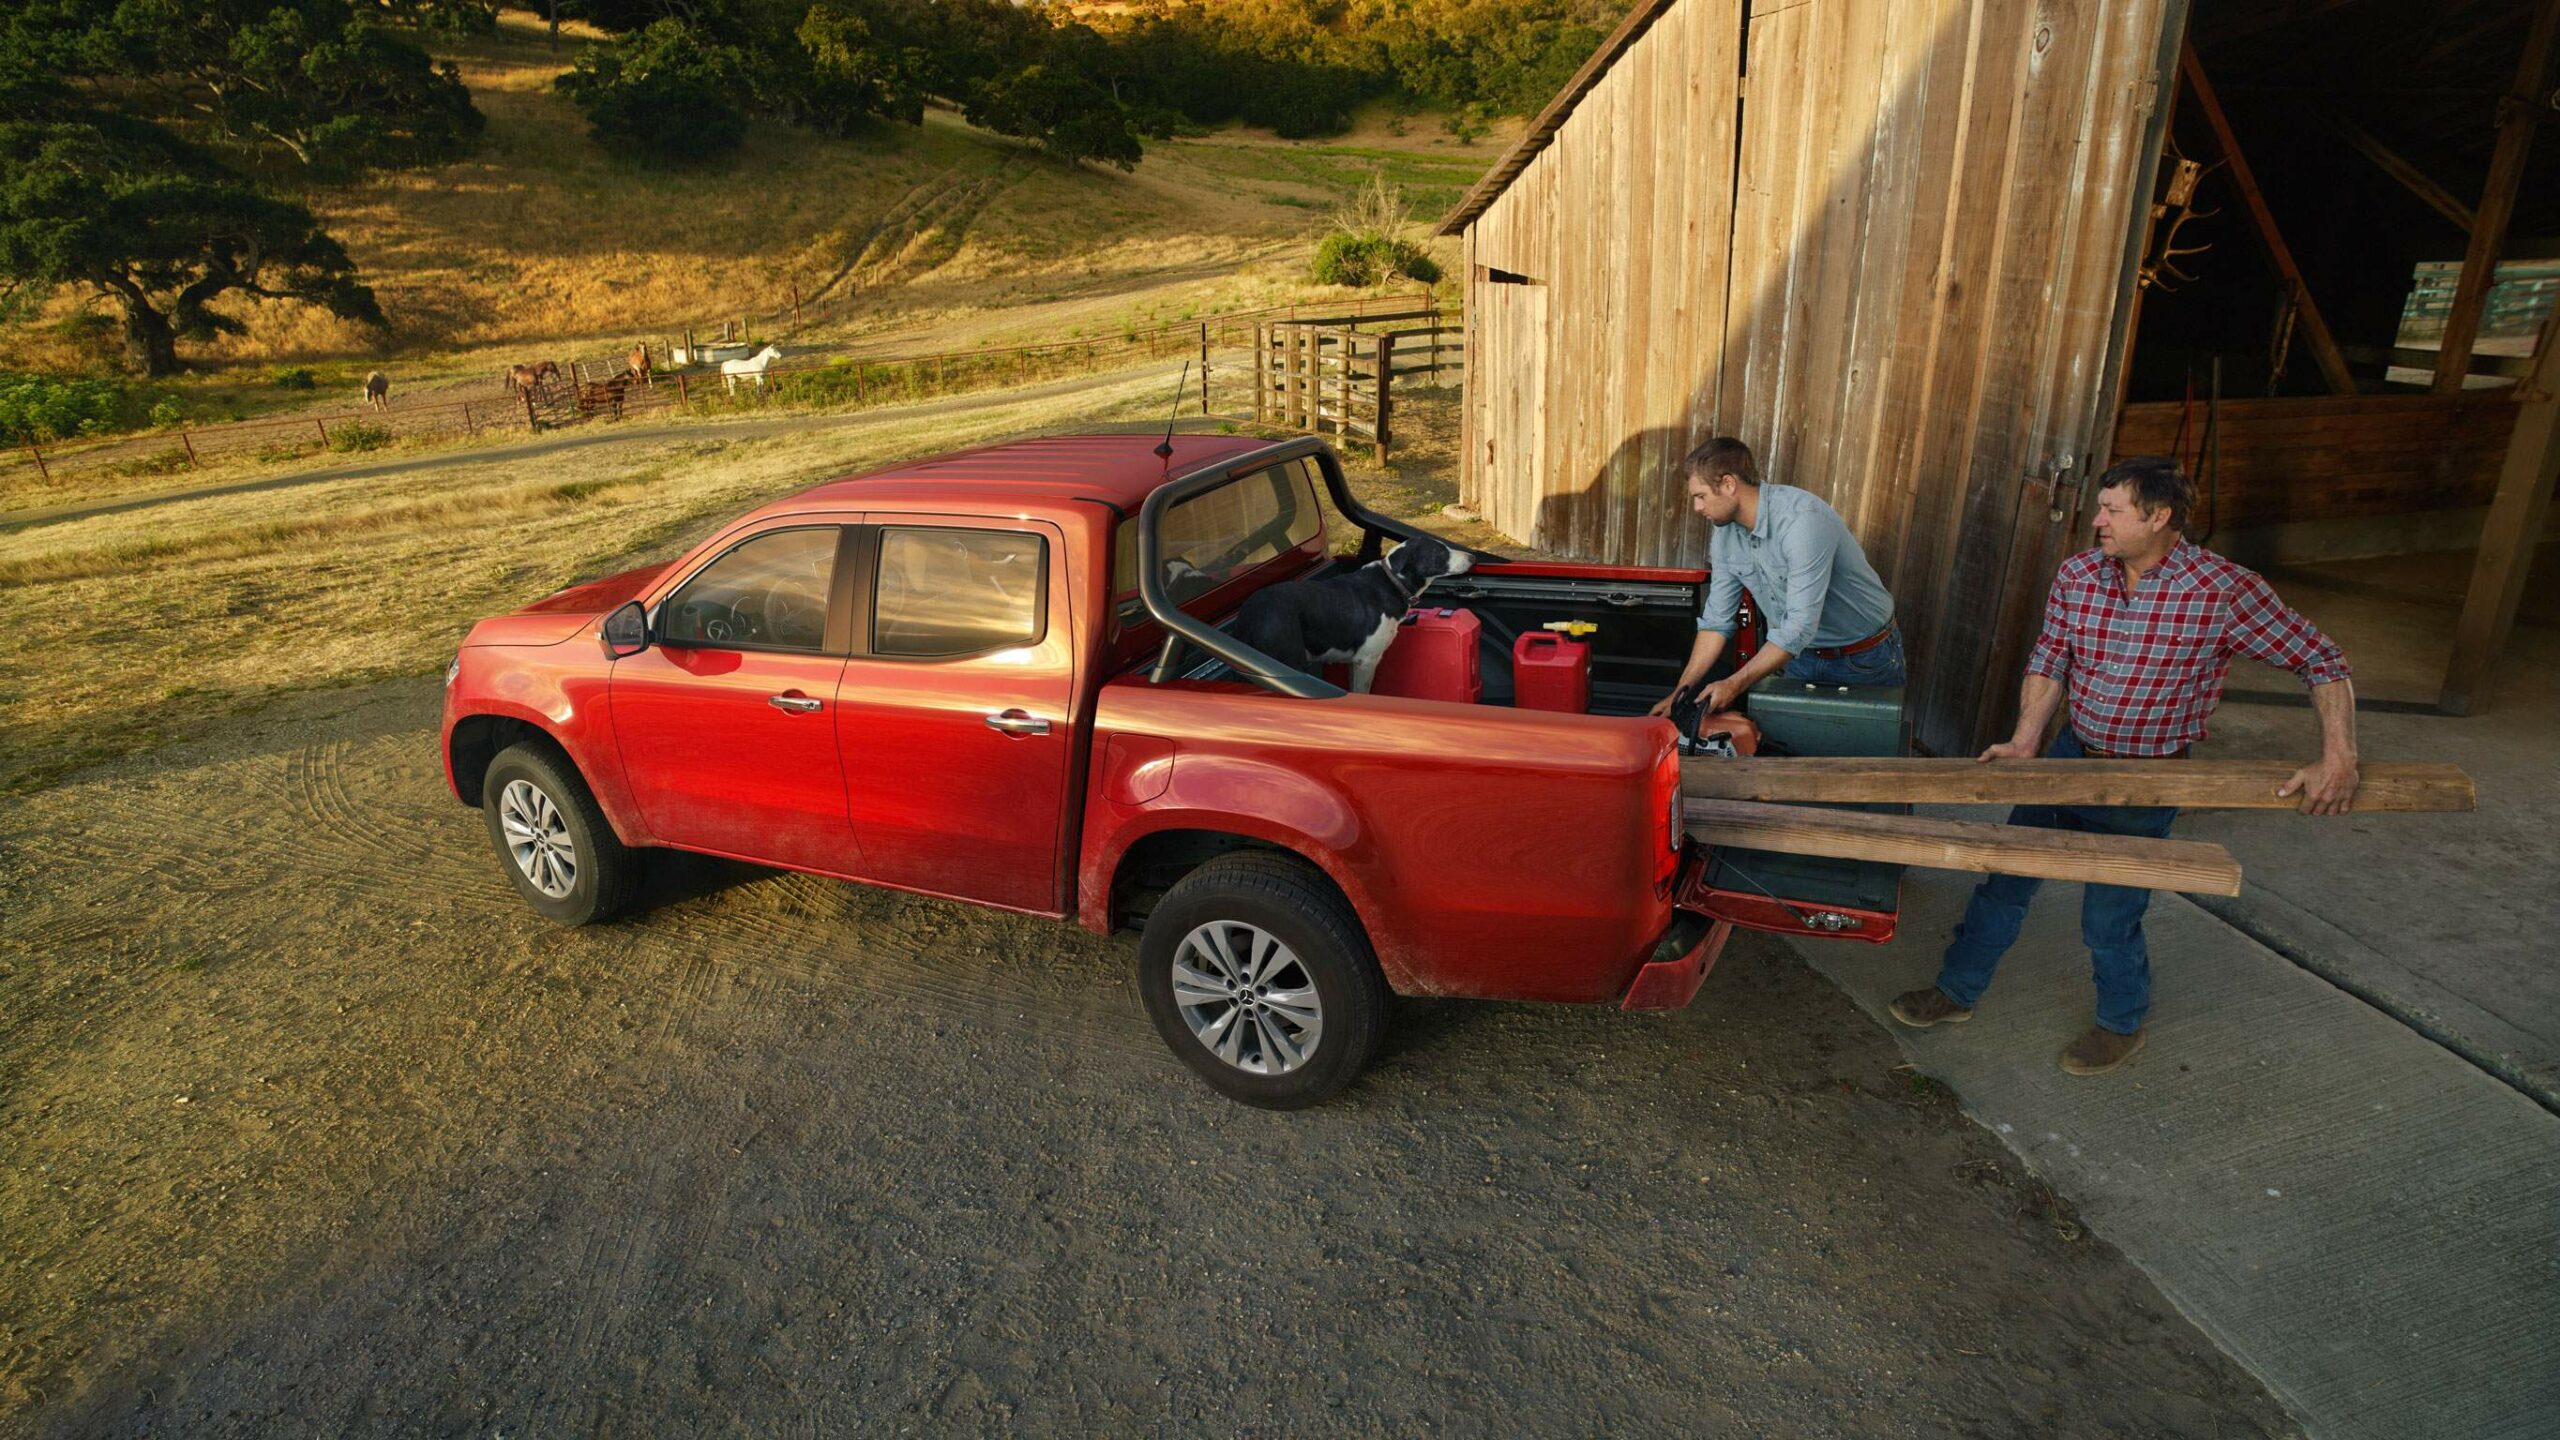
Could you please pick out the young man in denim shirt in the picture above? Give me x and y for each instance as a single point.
(1830, 618)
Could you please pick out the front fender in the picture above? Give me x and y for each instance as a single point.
(566, 703)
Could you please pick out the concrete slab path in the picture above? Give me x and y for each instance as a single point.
(2366, 1220)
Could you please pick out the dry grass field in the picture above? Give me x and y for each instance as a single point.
(543, 239)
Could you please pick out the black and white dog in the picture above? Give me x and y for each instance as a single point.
(1350, 616)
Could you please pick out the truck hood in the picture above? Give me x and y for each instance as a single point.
(561, 614)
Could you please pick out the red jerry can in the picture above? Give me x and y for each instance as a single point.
(1434, 658)
(1551, 672)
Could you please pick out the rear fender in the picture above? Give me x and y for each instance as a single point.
(1253, 799)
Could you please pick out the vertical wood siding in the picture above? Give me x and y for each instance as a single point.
(1896, 281)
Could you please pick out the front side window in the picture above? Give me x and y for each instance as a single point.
(1219, 534)
(945, 593)
(768, 593)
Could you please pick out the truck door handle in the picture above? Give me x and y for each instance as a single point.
(794, 703)
(1017, 723)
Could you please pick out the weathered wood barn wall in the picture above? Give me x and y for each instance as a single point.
(1887, 242)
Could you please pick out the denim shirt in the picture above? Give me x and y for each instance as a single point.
(1807, 571)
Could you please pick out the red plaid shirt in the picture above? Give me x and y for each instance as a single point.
(2145, 669)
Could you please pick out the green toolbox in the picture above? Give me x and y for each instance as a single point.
(1800, 719)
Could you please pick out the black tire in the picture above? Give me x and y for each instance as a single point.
(1291, 902)
(606, 872)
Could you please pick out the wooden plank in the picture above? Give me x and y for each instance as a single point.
(2509, 537)
(2396, 786)
(2315, 330)
(2525, 99)
(1979, 846)
(2411, 178)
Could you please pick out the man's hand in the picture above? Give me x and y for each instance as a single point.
(2327, 787)
(2008, 750)
(1722, 695)
(1662, 707)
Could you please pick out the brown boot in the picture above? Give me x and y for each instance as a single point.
(1921, 1009)
(2099, 1051)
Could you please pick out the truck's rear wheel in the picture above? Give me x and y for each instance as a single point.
(553, 839)
(1257, 974)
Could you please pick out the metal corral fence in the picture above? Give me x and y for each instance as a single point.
(606, 386)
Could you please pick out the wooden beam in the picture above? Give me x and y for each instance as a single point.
(2509, 535)
(2411, 178)
(2517, 113)
(2187, 784)
(1976, 845)
(2324, 346)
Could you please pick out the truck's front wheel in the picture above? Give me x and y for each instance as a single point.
(553, 838)
(1257, 973)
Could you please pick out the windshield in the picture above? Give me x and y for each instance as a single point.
(1219, 534)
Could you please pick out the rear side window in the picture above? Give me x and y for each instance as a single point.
(945, 593)
(1219, 534)
(768, 593)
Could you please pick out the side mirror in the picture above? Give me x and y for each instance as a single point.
(626, 631)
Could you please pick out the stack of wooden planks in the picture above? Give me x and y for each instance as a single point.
(1761, 804)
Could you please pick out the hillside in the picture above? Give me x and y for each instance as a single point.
(543, 238)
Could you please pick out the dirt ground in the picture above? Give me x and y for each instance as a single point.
(313, 1128)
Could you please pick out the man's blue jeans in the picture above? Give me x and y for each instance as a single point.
(1876, 665)
(2110, 915)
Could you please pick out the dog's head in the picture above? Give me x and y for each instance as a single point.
(1419, 562)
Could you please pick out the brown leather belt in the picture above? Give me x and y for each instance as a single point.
(2094, 753)
(1837, 651)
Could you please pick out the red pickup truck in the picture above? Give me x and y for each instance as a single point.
(1002, 676)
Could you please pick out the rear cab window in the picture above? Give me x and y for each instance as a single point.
(1220, 535)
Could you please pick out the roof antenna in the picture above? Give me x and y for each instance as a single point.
(1164, 447)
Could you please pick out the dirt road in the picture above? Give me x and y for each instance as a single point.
(314, 1129)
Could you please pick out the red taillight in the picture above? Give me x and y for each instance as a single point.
(1667, 805)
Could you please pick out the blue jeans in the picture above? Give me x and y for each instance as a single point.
(1877, 665)
(2110, 915)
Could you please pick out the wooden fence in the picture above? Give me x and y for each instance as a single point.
(1329, 373)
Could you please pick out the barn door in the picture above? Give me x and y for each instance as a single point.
(1511, 417)
(1935, 210)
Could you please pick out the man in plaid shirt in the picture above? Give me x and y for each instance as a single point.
(2138, 636)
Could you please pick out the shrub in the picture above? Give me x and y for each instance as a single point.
(356, 436)
(166, 411)
(292, 377)
(41, 407)
(1367, 246)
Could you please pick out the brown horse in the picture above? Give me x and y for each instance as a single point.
(640, 365)
(536, 378)
(604, 397)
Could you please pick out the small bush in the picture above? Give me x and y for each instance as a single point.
(41, 407)
(357, 436)
(1367, 246)
(292, 377)
(166, 412)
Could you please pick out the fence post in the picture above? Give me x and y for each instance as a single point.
(42, 473)
(1261, 372)
(795, 302)
(530, 423)
(469, 425)
(1386, 388)
(322, 426)
(192, 462)
(1204, 367)
(682, 397)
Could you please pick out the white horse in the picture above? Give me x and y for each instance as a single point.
(752, 368)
